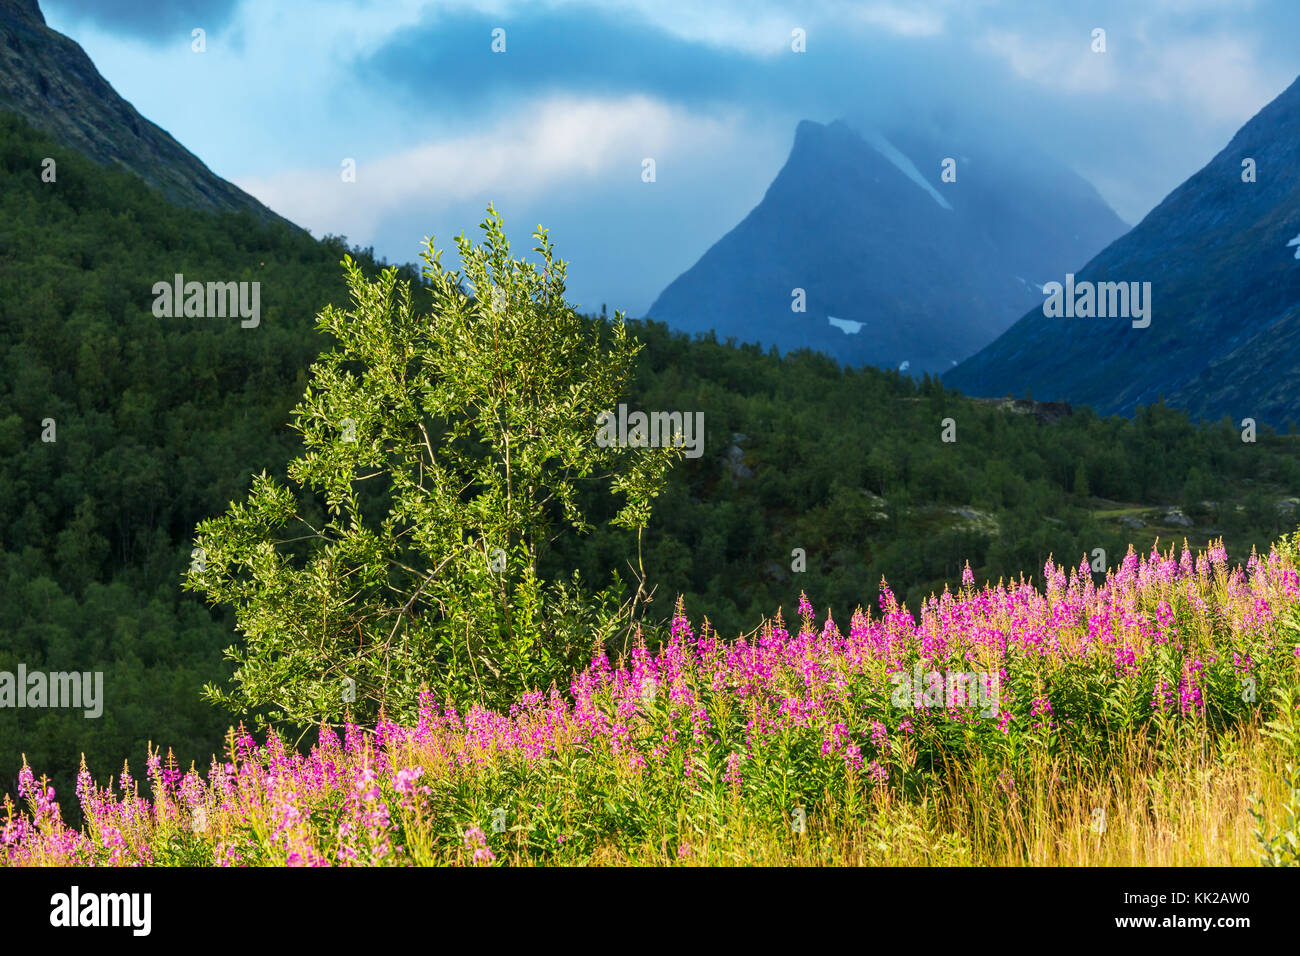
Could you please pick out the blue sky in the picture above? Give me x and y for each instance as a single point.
(555, 129)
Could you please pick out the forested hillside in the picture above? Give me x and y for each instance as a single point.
(157, 423)
(851, 466)
(160, 422)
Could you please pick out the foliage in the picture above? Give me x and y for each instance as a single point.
(446, 448)
(849, 465)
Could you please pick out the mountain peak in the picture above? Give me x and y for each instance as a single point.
(813, 137)
(861, 250)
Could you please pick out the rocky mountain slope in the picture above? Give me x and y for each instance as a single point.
(1224, 333)
(48, 79)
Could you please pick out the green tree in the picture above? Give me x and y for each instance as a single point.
(447, 449)
(1195, 491)
(1081, 481)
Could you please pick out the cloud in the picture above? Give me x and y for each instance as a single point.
(147, 19)
(558, 142)
(576, 48)
(913, 20)
(1221, 75)
(877, 57)
(1063, 63)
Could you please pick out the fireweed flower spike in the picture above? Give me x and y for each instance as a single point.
(805, 608)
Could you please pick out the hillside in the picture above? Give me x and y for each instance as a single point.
(46, 78)
(157, 423)
(1224, 336)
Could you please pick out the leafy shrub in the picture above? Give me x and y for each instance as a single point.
(447, 448)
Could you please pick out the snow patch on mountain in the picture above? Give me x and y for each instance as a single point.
(848, 326)
(908, 168)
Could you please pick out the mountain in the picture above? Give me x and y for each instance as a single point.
(48, 80)
(897, 266)
(1224, 333)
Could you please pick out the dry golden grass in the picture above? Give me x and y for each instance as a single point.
(1183, 807)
